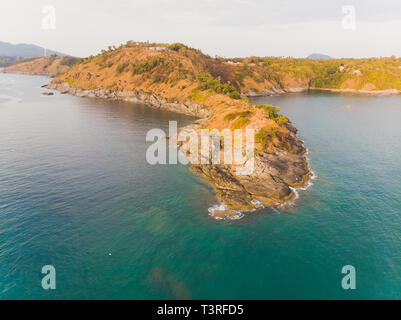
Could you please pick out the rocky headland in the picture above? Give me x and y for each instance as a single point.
(178, 79)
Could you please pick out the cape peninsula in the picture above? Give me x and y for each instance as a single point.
(184, 80)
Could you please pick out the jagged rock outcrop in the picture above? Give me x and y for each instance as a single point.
(271, 182)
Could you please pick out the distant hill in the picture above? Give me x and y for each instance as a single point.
(319, 56)
(7, 61)
(24, 50)
(50, 65)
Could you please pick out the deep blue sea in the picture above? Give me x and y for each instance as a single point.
(77, 193)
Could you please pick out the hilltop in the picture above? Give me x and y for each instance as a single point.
(181, 79)
(318, 56)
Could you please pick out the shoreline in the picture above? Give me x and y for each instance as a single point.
(267, 93)
(50, 75)
(151, 99)
(385, 92)
(99, 93)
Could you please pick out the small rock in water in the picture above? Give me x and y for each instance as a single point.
(224, 214)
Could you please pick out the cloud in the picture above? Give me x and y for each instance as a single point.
(217, 26)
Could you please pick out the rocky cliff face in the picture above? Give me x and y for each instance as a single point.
(271, 182)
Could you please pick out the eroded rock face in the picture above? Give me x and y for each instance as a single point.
(271, 183)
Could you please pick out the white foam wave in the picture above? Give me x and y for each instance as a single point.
(237, 215)
(257, 203)
(306, 187)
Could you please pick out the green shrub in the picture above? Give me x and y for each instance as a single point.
(273, 113)
(84, 61)
(232, 116)
(122, 67)
(263, 136)
(281, 119)
(241, 122)
(235, 95)
(143, 67)
(269, 109)
(158, 78)
(199, 96)
(176, 46)
(245, 113)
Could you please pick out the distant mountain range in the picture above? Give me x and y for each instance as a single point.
(319, 56)
(24, 50)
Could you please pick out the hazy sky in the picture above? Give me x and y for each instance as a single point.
(226, 28)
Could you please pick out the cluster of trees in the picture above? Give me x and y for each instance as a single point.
(264, 136)
(122, 67)
(209, 83)
(143, 67)
(273, 113)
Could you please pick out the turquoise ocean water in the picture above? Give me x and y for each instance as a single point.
(76, 193)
